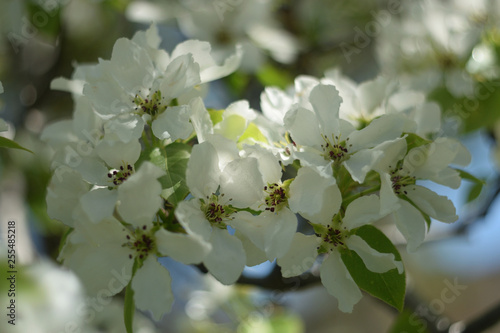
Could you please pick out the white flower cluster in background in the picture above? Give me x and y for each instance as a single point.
(447, 44)
(143, 170)
(225, 23)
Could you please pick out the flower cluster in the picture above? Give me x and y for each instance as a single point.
(143, 170)
(432, 44)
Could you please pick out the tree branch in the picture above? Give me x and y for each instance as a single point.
(484, 321)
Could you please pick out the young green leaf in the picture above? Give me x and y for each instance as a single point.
(175, 180)
(7, 143)
(389, 286)
(413, 141)
(474, 191)
(465, 175)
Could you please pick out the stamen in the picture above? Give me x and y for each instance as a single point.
(119, 176)
(400, 181)
(276, 197)
(215, 212)
(335, 149)
(152, 104)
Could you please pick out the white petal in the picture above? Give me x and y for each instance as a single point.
(411, 224)
(230, 65)
(361, 211)
(316, 197)
(184, 248)
(255, 256)
(393, 152)
(63, 84)
(231, 127)
(447, 177)
(55, 134)
(303, 127)
(312, 157)
(152, 291)
(63, 194)
(339, 283)
(431, 161)
(389, 202)
(372, 93)
(202, 174)
(107, 97)
(99, 204)
(428, 118)
(437, 206)
(275, 103)
(375, 261)
(326, 102)
(301, 256)
(104, 269)
(107, 231)
(268, 163)
(271, 232)
(362, 162)
(139, 196)
(116, 153)
(125, 127)
(131, 65)
(181, 75)
(92, 169)
(242, 182)
(193, 219)
(386, 128)
(200, 118)
(226, 149)
(173, 123)
(201, 51)
(227, 258)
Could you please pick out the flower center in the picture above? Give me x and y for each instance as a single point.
(118, 176)
(152, 104)
(215, 212)
(276, 197)
(399, 182)
(140, 242)
(332, 237)
(335, 149)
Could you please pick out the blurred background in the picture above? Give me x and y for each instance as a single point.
(447, 50)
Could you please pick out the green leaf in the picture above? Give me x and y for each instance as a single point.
(45, 19)
(215, 116)
(253, 132)
(129, 306)
(474, 192)
(477, 185)
(483, 111)
(389, 286)
(238, 82)
(173, 159)
(7, 143)
(470, 177)
(270, 75)
(409, 322)
(157, 158)
(413, 140)
(174, 182)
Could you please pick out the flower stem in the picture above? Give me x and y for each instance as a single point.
(353, 197)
